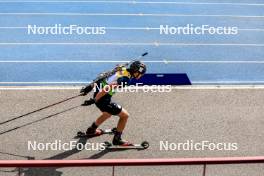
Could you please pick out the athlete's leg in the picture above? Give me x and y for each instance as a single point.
(98, 122)
(102, 118)
(123, 116)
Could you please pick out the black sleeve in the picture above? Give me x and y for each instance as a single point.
(124, 81)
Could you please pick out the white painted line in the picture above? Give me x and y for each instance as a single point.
(62, 61)
(211, 62)
(138, 2)
(109, 28)
(132, 28)
(138, 44)
(257, 29)
(146, 61)
(41, 88)
(131, 14)
(44, 82)
(226, 87)
(183, 87)
(227, 82)
(193, 82)
(208, 61)
(12, 27)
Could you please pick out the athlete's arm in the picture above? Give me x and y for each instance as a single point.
(105, 91)
(122, 81)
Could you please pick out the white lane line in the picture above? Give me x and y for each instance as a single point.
(43, 82)
(133, 28)
(227, 82)
(131, 14)
(183, 87)
(248, 29)
(193, 82)
(41, 88)
(225, 87)
(146, 61)
(131, 44)
(139, 2)
(138, 44)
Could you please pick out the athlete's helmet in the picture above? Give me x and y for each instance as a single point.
(137, 66)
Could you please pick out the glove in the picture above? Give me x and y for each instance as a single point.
(88, 102)
(85, 90)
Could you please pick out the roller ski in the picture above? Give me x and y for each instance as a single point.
(118, 142)
(127, 145)
(97, 132)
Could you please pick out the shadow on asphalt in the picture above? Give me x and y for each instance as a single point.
(44, 118)
(104, 152)
(52, 171)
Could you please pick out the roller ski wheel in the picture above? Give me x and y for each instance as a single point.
(143, 145)
(98, 132)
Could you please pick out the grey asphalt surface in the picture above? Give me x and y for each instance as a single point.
(215, 115)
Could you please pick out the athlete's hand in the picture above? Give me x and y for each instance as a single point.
(82, 91)
(85, 90)
(88, 102)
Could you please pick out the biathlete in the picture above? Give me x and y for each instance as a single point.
(102, 99)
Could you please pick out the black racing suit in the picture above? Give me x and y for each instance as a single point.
(105, 104)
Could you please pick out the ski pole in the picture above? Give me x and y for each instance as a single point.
(37, 110)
